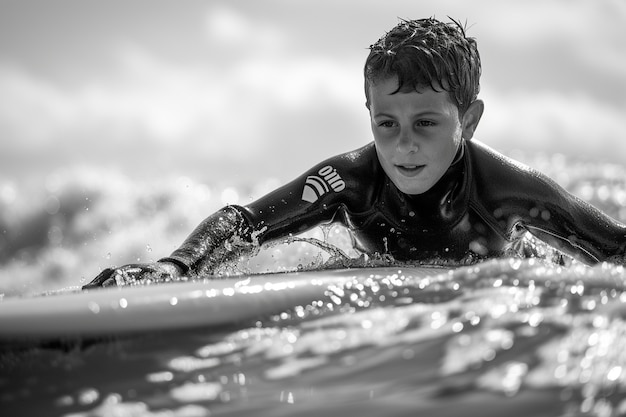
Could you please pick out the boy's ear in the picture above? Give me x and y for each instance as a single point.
(471, 118)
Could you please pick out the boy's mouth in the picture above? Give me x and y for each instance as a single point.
(410, 170)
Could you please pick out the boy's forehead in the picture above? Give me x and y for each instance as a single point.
(385, 92)
(408, 87)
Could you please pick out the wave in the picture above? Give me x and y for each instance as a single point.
(64, 231)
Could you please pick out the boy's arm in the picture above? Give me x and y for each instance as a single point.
(205, 247)
(514, 195)
(311, 199)
(199, 252)
(574, 226)
(300, 205)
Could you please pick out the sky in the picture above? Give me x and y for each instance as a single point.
(233, 91)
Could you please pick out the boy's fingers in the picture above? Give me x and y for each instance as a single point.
(128, 275)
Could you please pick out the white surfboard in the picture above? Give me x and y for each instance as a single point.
(116, 311)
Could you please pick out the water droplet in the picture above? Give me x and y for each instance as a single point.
(156, 377)
(88, 396)
(94, 307)
(190, 392)
(615, 373)
(64, 401)
(52, 205)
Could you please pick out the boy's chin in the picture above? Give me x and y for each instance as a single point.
(412, 189)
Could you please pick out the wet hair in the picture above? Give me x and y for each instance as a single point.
(427, 52)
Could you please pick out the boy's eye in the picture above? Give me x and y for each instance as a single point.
(424, 123)
(387, 123)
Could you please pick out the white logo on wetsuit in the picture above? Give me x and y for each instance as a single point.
(316, 186)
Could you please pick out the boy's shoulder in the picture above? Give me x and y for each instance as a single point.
(362, 158)
(361, 163)
(354, 176)
(487, 162)
(497, 178)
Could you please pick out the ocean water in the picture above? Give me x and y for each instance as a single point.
(515, 336)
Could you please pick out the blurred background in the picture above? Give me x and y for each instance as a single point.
(124, 123)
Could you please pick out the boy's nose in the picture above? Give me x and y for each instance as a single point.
(407, 143)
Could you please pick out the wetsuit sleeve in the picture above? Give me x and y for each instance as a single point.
(514, 196)
(316, 196)
(205, 247)
(309, 200)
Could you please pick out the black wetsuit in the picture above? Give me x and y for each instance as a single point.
(475, 211)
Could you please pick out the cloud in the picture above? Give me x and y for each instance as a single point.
(255, 84)
(550, 122)
(148, 106)
(538, 22)
(30, 109)
(227, 28)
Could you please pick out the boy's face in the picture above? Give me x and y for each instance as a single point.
(416, 134)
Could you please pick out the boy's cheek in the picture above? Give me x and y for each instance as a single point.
(381, 137)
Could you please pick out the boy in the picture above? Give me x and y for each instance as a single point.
(422, 190)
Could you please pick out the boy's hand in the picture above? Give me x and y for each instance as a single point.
(130, 274)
